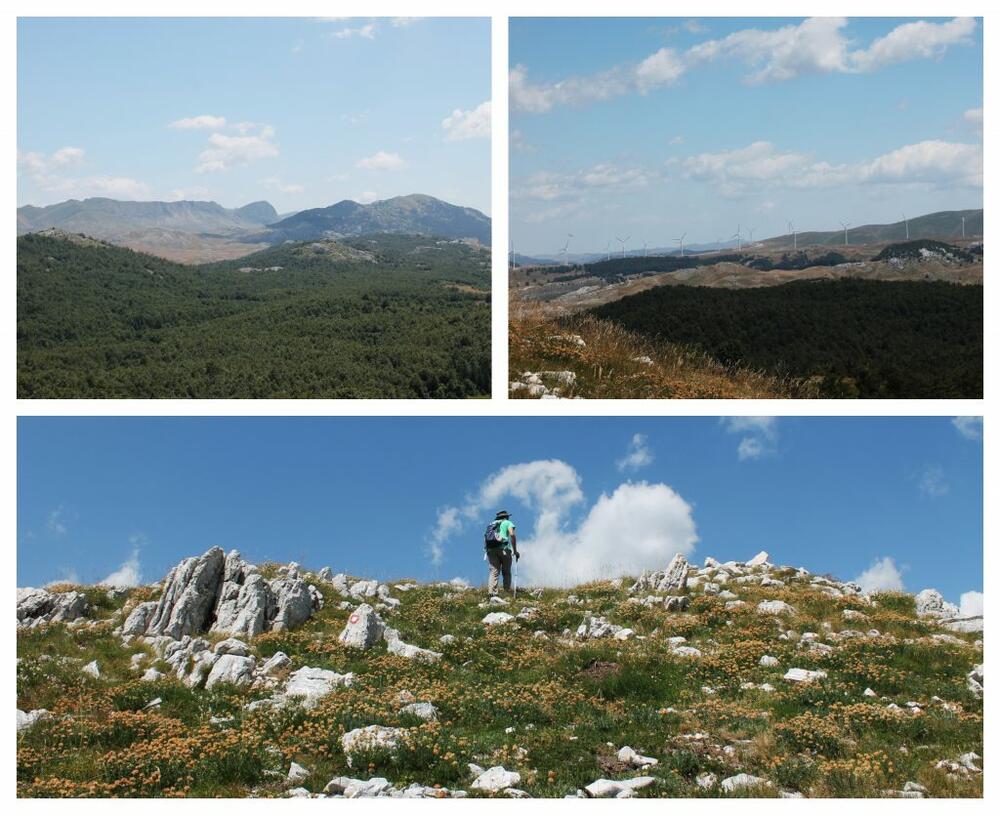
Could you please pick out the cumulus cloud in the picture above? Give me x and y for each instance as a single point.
(635, 527)
(129, 574)
(931, 162)
(53, 173)
(367, 197)
(817, 45)
(933, 482)
(225, 151)
(203, 122)
(468, 124)
(638, 454)
(382, 161)
(882, 575)
(969, 427)
(126, 576)
(971, 604)
(760, 435)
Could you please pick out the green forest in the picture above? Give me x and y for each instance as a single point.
(845, 338)
(385, 316)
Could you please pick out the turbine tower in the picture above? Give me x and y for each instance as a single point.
(846, 243)
(608, 249)
(795, 236)
(565, 249)
(680, 240)
(623, 241)
(963, 226)
(906, 224)
(718, 245)
(739, 238)
(645, 249)
(751, 237)
(513, 257)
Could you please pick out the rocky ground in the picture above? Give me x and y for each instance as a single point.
(729, 679)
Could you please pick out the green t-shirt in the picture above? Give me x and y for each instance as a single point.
(504, 530)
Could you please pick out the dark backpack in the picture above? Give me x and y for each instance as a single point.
(491, 538)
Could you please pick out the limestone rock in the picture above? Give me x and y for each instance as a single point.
(798, 675)
(231, 669)
(497, 618)
(760, 559)
(396, 646)
(626, 788)
(930, 603)
(425, 710)
(138, 620)
(364, 628)
(232, 646)
(775, 607)
(373, 737)
(629, 756)
(189, 595)
(496, 779)
(742, 781)
(312, 684)
(673, 578)
(38, 606)
(296, 773)
(30, 718)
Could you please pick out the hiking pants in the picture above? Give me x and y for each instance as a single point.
(499, 562)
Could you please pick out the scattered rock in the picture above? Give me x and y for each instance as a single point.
(372, 737)
(802, 675)
(364, 628)
(497, 618)
(776, 607)
(496, 779)
(92, 669)
(743, 781)
(312, 684)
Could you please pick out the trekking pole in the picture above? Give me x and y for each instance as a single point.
(515, 578)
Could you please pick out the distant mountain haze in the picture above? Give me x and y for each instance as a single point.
(410, 214)
(203, 231)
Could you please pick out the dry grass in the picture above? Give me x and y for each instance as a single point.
(612, 362)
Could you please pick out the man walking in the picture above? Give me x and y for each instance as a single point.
(501, 544)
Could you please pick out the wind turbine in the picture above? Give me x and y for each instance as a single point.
(963, 226)
(680, 240)
(623, 241)
(645, 249)
(846, 242)
(795, 236)
(565, 249)
(739, 238)
(513, 257)
(906, 223)
(608, 249)
(718, 245)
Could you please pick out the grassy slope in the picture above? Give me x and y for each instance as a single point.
(565, 700)
(606, 367)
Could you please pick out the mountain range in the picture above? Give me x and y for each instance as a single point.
(943, 225)
(203, 231)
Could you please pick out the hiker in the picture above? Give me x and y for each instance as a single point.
(500, 543)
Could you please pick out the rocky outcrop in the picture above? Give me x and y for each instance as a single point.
(673, 578)
(37, 606)
(364, 628)
(373, 737)
(930, 603)
(223, 594)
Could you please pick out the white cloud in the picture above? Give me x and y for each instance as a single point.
(933, 482)
(404, 22)
(468, 124)
(817, 45)
(760, 435)
(638, 526)
(204, 122)
(971, 604)
(366, 31)
(51, 174)
(762, 165)
(367, 197)
(382, 161)
(56, 523)
(638, 454)
(225, 152)
(882, 575)
(39, 164)
(546, 185)
(917, 40)
(128, 575)
(970, 427)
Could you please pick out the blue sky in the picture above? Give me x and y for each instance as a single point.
(394, 497)
(651, 128)
(300, 112)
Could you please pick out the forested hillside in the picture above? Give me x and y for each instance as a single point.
(378, 317)
(853, 338)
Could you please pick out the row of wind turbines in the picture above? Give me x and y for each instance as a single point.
(737, 236)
